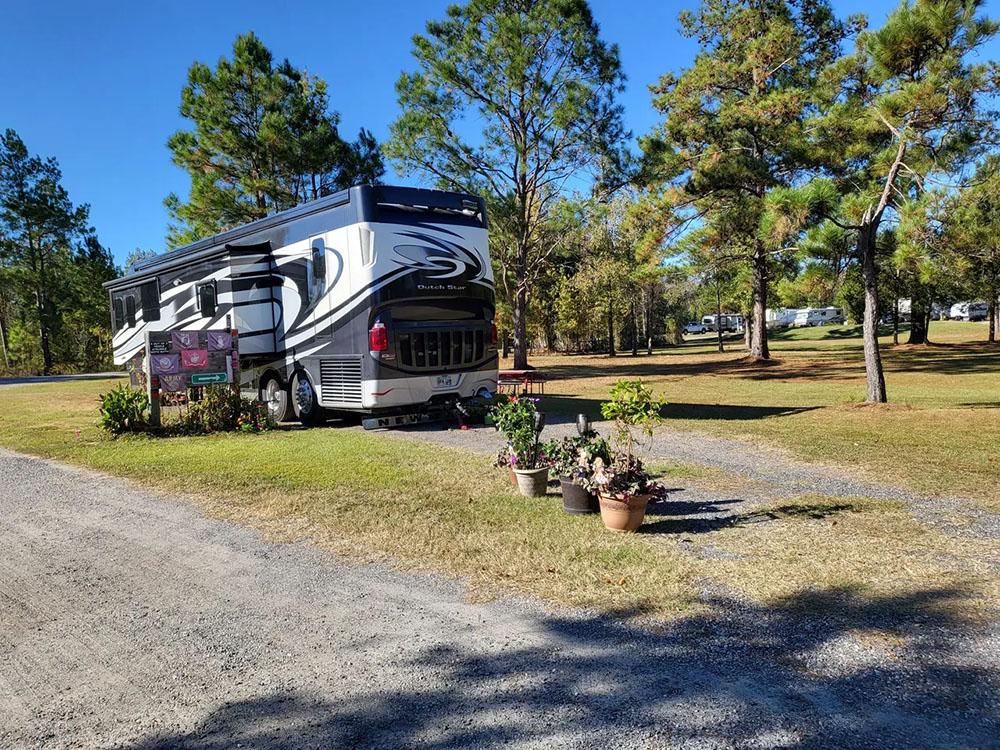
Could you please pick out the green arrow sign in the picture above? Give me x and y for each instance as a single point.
(204, 378)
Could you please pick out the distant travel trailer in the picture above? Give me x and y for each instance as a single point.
(376, 300)
(780, 318)
(971, 311)
(729, 323)
(818, 316)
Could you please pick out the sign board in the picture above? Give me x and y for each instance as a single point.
(179, 360)
(207, 378)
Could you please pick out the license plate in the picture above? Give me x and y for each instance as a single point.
(445, 381)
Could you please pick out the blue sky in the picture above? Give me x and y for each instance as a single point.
(97, 85)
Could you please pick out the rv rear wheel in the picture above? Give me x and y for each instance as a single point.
(275, 397)
(305, 402)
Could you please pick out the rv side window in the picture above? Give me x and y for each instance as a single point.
(119, 313)
(317, 280)
(149, 296)
(206, 300)
(130, 311)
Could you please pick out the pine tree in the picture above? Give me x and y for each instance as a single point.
(543, 85)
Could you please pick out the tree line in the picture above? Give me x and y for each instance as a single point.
(800, 158)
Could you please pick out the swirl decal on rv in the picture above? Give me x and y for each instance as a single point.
(439, 259)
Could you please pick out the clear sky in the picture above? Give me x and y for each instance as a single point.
(97, 84)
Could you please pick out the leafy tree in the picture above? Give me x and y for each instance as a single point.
(264, 139)
(734, 121)
(904, 106)
(972, 236)
(50, 262)
(543, 85)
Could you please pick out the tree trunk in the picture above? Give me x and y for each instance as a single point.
(747, 328)
(992, 312)
(718, 315)
(648, 324)
(895, 319)
(918, 317)
(758, 332)
(611, 329)
(521, 329)
(635, 330)
(873, 357)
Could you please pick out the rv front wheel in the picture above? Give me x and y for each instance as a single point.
(275, 396)
(305, 402)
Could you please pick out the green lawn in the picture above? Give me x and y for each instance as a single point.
(940, 434)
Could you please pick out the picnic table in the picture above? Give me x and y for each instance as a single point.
(523, 381)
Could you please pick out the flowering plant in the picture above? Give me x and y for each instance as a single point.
(518, 419)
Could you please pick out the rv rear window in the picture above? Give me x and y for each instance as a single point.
(206, 300)
(118, 307)
(130, 311)
(149, 296)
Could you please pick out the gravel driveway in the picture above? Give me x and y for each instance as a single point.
(128, 619)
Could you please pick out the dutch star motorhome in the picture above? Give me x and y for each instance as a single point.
(377, 300)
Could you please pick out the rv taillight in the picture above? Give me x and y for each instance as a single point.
(378, 338)
(493, 334)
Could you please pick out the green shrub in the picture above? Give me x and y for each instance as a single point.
(222, 410)
(123, 410)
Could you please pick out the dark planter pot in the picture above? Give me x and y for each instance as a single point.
(576, 499)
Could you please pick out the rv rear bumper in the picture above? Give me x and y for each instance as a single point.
(418, 390)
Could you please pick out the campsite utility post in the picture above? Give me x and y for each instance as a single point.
(152, 388)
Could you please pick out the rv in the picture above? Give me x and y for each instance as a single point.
(781, 318)
(728, 323)
(818, 316)
(376, 300)
(971, 311)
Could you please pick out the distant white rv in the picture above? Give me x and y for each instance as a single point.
(971, 311)
(782, 317)
(728, 323)
(818, 316)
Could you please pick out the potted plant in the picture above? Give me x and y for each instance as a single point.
(573, 460)
(624, 486)
(521, 424)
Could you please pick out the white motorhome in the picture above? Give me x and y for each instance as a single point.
(376, 300)
(818, 316)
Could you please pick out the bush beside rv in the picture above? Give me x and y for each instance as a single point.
(376, 300)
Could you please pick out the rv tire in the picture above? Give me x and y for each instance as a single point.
(277, 399)
(305, 400)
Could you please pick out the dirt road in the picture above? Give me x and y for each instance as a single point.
(129, 619)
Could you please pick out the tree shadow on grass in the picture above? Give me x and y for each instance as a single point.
(563, 408)
(828, 668)
(690, 518)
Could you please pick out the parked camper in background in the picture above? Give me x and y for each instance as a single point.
(781, 318)
(971, 311)
(729, 323)
(818, 316)
(376, 300)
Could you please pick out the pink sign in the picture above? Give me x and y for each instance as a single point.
(193, 359)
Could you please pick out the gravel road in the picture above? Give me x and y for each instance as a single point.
(129, 619)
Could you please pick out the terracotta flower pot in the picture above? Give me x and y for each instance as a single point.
(623, 517)
(576, 499)
(532, 482)
(512, 475)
